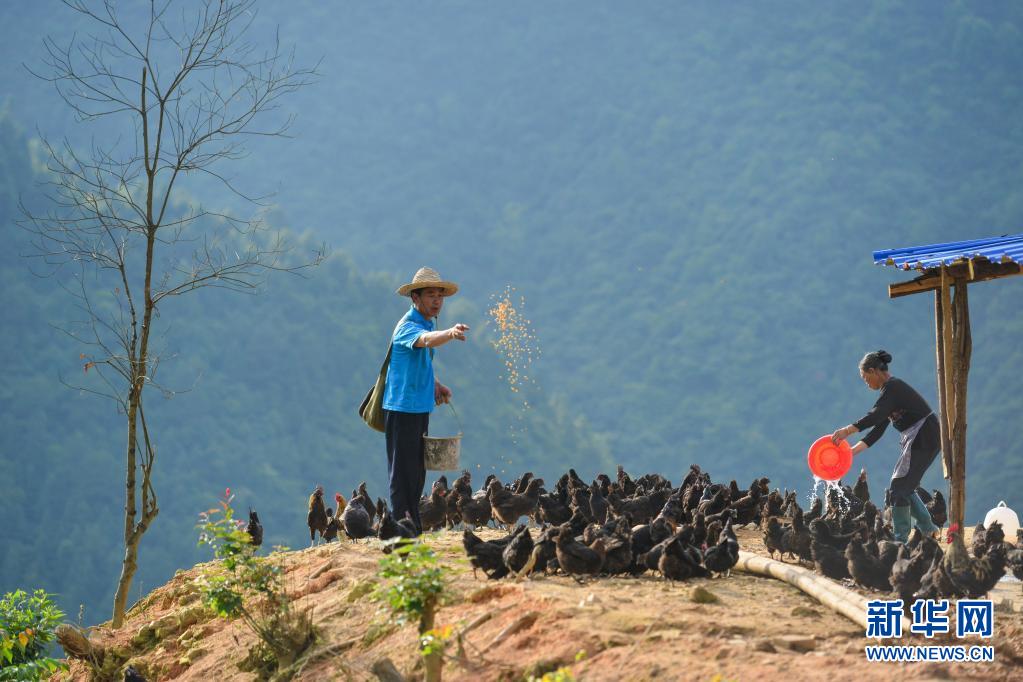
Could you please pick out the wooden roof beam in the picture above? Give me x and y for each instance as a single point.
(979, 271)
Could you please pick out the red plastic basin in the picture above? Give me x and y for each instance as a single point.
(829, 461)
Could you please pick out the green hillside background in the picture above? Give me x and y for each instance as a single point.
(685, 195)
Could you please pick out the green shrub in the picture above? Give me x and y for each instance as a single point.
(252, 588)
(416, 584)
(27, 625)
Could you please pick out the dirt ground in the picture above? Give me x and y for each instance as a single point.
(605, 629)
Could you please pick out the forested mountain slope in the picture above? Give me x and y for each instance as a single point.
(687, 197)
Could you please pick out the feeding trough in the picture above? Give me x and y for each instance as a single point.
(442, 454)
(829, 461)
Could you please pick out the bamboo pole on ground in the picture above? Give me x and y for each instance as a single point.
(844, 601)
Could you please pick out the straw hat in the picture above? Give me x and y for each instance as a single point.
(427, 277)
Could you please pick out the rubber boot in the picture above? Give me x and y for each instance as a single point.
(920, 514)
(902, 522)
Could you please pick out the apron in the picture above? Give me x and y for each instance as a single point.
(906, 441)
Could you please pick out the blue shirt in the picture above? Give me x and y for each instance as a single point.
(410, 375)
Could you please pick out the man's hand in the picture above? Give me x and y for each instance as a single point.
(441, 393)
(458, 331)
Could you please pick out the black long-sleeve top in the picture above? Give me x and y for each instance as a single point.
(900, 403)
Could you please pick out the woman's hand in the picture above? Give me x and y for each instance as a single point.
(843, 433)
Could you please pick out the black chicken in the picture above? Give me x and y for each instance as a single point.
(598, 504)
(388, 528)
(677, 562)
(829, 559)
(861, 490)
(485, 556)
(516, 552)
(618, 557)
(910, 566)
(796, 538)
(575, 558)
(316, 519)
(935, 505)
(133, 675)
(355, 520)
(865, 568)
(935, 582)
(333, 526)
(255, 528)
(1014, 561)
(773, 537)
(973, 577)
(816, 508)
(642, 508)
(367, 502)
(646, 536)
(720, 558)
(475, 511)
(553, 510)
(747, 507)
(987, 538)
(626, 486)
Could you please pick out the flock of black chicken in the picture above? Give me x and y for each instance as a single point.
(851, 540)
(627, 527)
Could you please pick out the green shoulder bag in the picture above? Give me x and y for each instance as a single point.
(372, 408)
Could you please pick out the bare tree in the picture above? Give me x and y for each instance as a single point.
(183, 94)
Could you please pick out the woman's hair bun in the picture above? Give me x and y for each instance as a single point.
(884, 356)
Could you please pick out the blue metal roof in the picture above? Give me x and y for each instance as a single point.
(1004, 249)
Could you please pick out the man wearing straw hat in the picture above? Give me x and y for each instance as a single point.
(412, 390)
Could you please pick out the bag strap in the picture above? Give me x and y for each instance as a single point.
(387, 360)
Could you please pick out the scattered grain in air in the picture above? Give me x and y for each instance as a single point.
(516, 341)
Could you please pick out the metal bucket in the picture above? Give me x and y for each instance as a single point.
(441, 454)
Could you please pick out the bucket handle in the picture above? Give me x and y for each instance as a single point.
(460, 429)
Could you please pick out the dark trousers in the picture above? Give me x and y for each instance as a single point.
(925, 448)
(406, 466)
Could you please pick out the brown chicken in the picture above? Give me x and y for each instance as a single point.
(508, 507)
(433, 510)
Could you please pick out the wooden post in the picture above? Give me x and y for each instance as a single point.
(962, 351)
(939, 345)
(949, 405)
